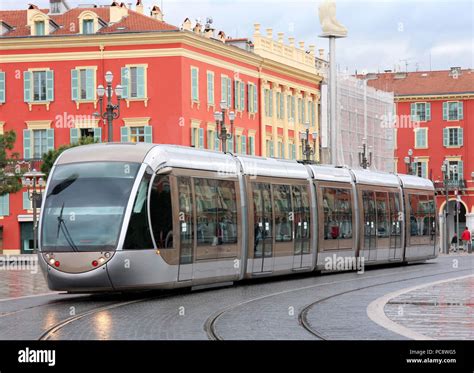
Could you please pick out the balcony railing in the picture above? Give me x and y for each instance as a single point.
(452, 184)
(20, 166)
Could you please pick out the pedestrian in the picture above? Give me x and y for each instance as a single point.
(466, 238)
(454, 242)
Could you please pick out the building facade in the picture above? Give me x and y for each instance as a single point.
(435, 120)
(173, 80)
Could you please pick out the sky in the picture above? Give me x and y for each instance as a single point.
(382, 34)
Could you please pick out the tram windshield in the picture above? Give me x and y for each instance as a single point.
(85, 204)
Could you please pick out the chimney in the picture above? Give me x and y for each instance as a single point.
(301, 44)
(455, 71)
(197, 28)
(156, 13)
(280, 37)
(209, 33)
(270, 33)
(187, 25)
(117, 12)
(291, 39)
(221, 36)
(256, 28)
(139, 7)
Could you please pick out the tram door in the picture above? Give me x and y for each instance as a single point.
(186, 228)
(370, 228)
(263, 228)
(302, 254)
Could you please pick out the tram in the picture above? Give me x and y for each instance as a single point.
(119, 217)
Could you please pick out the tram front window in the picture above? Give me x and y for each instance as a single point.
(85, 204)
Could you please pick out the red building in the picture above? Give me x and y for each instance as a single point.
(435, 119)
(173, 80)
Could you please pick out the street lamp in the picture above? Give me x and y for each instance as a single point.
(222, 133)
(308, 150)
(111, 111)
(408, 161)
(445, 171)
(365, 162)
(35, 183)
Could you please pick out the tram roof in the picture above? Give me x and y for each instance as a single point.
(272, 167)
(415, 182)
(376, 178)
(331, 173)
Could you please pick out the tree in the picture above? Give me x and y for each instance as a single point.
(9, 179)
(50, 157)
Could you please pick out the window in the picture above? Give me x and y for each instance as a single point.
(281, 150)
(421, 169)
(38, 86)
(301, 218)
(226, 91)
(88, 26)
(300, 110)
(40, 143)
(197, 137)
(282, 213)
(2, 87)
(453, 137)
(280, 102)
(5, 205)
(421, 138)
(252, 98)
(161, 212)
(211, 136)
(292, 151)
(312, 108)
(194, 83)
(456, 170)
(210, 88)
(138, 233)
(268, 102)
(239, 95)
(422, 215)
(39, 28)
(453, 110)
(134, 134)
(86, 132)
(137, 134)
(243, 144)
(251, 145)
(370, 219)
(186, 221)
(383, 214)
(216, 210)
(291, 108)
(134, 82)
(395, 220)
(83, 84)
(420, 111)
(269, 148)
(337, 204)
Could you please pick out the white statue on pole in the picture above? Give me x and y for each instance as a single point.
(329, 23)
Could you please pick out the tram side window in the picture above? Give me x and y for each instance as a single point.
(383, 212)
(368, 201)
(138, 233)
(283, 210)
(302, 214)
(337, 204)
(427, 215)
(414, 201)
(186, 226)
(395, 217)
(161, 213)
(216, 210)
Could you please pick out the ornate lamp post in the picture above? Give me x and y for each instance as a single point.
(35, 183)
(307, 149)
(445, 171)
(365, 155)
(408, 161)
(111, 111)
(222, 133)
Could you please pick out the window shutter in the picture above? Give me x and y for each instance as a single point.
(282, 106)
(413, 112)
(27, 78)
(445, 137)
(98, 134)
(124, 134)
(460, 137)
(249, 98)
(243, 145)
(27, 134)
(74, 135)
(74, 84)
(50, 138)
(424, 169)
(428, 111)
(293, 151)
(216, 142)
(90, 84)
(460, 170)
(26, 201)
(242, 96)
(2, 86)
(201, 138)
(229, 93)
(210, 88)
(288, 107)
(251, 145)
(460, 111)
(148, 134)
(5, 205)
(293, 104)
(223, 89)
(271, 149)
(236, 95)
(49, 85)
(125, 73)
(255, 99)
(271, 103)
(140, 82)
(445, 111)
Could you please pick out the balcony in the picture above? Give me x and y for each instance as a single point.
(452, 185)
(20, 166)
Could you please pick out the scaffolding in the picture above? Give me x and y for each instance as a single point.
(376, 129)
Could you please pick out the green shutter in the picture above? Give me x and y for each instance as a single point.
(74, 84)
(236, 95)
(251, 145)
(216, 142)
(460, 111)
(445, 137)
(49, 85)
(26, 201)
(201, 138)
(2, 86)
(249, 98)
(210, 88)
(148, 134)
(125, 73)
(27, 80)
(98, 134)
(460, 137)
(271, 102)
(223, 88)
(293, 104)
(255, 99)
(27, 135)
(90, 84)
(74, 135)
(230, 145)
(242, 96)
(445, 111)
(5, 205)
(293, 151)
(50, 138)
(124, 134)
(140, 82)
(460, 170)
(271, 149)
(424, 170)
(413, 112)
(428, 111)
(243, 145)
(229, 93)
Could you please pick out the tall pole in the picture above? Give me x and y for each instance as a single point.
(457, 222)
(35, 227)
(332, 99)
(110, 113)
(446, 213)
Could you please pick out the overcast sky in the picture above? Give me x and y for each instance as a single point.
(382, 34)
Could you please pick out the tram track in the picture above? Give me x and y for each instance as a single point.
(210, 326)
